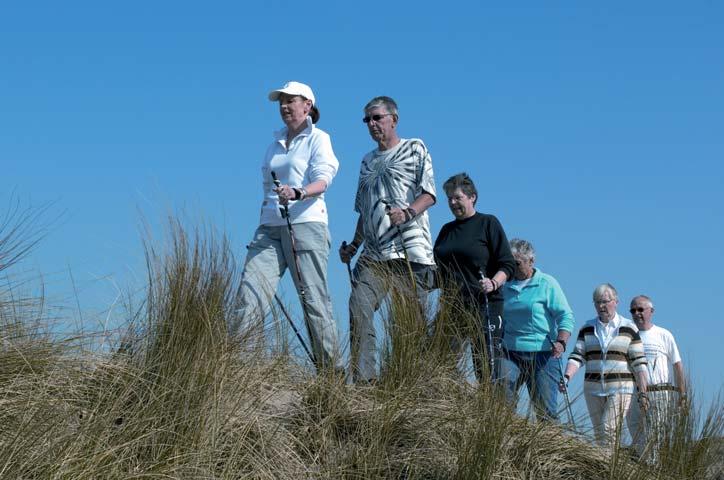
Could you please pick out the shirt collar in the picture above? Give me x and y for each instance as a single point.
(281, 135)
(532, 281)
(613, 323)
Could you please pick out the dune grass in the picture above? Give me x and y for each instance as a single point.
(182, 399)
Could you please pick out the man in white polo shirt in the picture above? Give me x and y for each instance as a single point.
(667, 384)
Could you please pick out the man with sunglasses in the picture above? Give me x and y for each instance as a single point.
(666, 377)
(396, 187)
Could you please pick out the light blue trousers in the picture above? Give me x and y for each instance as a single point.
(269, 256)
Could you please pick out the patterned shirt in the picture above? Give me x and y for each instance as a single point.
(395, 178)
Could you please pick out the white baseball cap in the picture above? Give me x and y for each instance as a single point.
(293, 88)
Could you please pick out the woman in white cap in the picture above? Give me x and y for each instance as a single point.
(302, 161)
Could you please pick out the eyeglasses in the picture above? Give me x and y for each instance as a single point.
(638, 310)
(602, 302)
(376, 117)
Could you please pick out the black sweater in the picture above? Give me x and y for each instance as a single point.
(463, 247)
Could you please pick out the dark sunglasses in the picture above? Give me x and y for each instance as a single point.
(377, 117)
(637, 310)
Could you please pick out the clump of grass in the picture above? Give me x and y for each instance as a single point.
(182, 399)
(686, 442)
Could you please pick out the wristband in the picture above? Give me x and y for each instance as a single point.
(297, 193)
(495, 284)
(410, 213)
(562, 342)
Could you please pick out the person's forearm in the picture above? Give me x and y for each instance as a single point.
(571, 369)
(422, 203)
(563, 336)
(642, 380)
(499, 279)
(315, 188)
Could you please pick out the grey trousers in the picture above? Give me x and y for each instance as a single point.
(268, 258)
(372, 282)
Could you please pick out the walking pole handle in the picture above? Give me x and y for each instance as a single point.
(349, 268)
(344, 247)
(284, 209)
(482, 277)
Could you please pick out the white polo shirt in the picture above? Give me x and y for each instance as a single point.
(308, 158)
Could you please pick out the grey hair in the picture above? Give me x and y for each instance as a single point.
(522, 247)
(645, 299)
(603, 289)
(383, 101)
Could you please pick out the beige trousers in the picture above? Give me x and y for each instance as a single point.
(607, 414)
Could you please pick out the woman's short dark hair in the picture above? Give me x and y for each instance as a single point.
(314, 113)
(463, 182)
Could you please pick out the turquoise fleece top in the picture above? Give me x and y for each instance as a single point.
(540, 309)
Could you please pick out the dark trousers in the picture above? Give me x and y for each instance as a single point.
(475, 330)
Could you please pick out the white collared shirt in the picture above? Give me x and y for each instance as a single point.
(308, 158)
(605, 332)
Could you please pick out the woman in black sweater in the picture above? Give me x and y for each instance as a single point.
(474, 258)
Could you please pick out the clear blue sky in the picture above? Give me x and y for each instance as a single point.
(593, 129)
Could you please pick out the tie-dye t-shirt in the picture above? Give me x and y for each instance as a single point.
(395, 177)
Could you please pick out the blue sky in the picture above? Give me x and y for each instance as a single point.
(591, 129)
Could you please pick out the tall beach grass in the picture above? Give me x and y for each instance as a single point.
(180, 398)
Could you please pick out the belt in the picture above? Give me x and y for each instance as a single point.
(661, 387)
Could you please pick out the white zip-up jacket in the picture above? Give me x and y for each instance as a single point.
(309, 157)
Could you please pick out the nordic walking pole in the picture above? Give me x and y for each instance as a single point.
(388, 208)
(302, 292)
(294, 327)
(488, 330)
(565, 389)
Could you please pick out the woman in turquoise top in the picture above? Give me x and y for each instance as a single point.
(538, 324)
